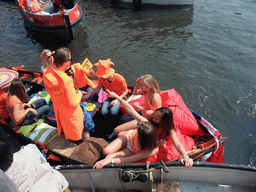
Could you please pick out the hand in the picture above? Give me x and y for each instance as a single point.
(138, 108)
(188, 162)
(138, 82)
(112, 94)
(114, 102)
(91, 72)
(33, 110)
(101, 163)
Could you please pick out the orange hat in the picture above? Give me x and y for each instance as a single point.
(6, 76)
(103, 68)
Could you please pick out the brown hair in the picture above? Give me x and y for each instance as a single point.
(147, 136)
(166, 123)
(17, 88)
(60, 56)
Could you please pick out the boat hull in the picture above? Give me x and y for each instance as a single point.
(203, 176)
(63, 25)
(164, 2)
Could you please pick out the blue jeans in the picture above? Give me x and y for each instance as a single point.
(113, 109)
(41, 107)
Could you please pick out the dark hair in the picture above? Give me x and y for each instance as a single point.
(6, 154)
(166, 123)
(147, 136)
(17, 88)
(60, 56)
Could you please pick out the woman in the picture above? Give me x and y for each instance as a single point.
(131, 146)
(47, 59)
(169, 139)
(19, 110)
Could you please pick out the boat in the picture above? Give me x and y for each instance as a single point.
(209, 168)
(210, 146)
(63, 23)
(161, 2)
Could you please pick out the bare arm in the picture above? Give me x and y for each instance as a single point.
(18, 116)
(124, 156)
(92, 92)
(127, 106)
(180, 148)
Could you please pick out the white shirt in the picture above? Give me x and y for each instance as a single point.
(6, 184)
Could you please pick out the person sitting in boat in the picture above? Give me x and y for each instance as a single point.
(169, 135)
(112, 81)
(57, 5)
(131, 146)
(79, 76)
(66, 101)
(36, 7)
(6, 153)
(23, 4)
(47, 59)
(145, 85)
(21, 112)
(6, 77)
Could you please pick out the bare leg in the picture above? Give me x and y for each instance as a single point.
(118, 144)
(126, 126)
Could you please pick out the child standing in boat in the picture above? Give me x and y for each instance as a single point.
(112, 81)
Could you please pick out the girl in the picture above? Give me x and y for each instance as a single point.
(47, 59)
(169, 135)
(19, 110)
(145, 85)
(131, 146)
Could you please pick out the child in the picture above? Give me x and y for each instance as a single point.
(145, 85)
(131, 146)
(19, 110)
(111, 81)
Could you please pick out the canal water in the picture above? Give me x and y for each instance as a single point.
(207, 52)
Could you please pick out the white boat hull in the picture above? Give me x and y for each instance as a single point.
(201, 177)
(164, 2)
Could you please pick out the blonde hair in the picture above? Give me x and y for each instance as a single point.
(151, 83)
(44, 59)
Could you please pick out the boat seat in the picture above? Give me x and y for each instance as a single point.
(61, 145)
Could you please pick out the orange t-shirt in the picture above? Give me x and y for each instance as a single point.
(3, 110)
(134, 141)
(117, 85)
(10, 102)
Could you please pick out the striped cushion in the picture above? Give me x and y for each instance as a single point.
(39, 131)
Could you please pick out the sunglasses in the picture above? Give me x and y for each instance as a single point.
(49, 56)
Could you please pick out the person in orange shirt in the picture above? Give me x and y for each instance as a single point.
(79, 76)
(112, 81)
(6, 76)
(21, 112)
(68, 113)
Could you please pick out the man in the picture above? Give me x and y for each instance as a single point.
(60, 86)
